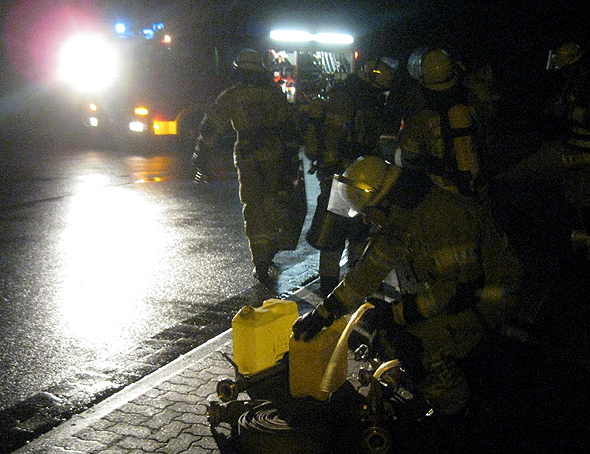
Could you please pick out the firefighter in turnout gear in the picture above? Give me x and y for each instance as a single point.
(343, 127)
(460, 275)
(439, 133)
(572, 111)
(266, 155)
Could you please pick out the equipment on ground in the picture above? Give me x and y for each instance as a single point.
(313, 411)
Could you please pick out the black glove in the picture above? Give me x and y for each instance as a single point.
(308, 325)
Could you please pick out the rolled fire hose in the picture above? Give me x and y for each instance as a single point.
(341, 349)
(266, 418)
(286, 427)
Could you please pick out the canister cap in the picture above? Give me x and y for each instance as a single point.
(246, 311)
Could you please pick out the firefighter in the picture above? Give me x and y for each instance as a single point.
(266, 155)
(456, 275)
(484, 100)
(572, 110)
(440, 133)
(343, 127)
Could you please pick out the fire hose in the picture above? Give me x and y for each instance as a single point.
(228, 389)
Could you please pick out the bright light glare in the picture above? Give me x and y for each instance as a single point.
(290, 35)
(120, 28)
(111, 247)
(93, 121)
(302, 36)
(88, 62)
(137, 126)
(141, 110)
(333, 38)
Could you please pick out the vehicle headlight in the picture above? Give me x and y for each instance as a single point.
(137, 126)
(88, 62)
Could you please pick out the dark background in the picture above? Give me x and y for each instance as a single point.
(513, 36)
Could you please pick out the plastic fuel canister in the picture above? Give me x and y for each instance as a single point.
(308, 362)
(261, 335)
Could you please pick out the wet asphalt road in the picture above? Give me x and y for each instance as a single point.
(110, 256)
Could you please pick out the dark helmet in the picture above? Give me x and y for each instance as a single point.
(250, 60)
(380, 72)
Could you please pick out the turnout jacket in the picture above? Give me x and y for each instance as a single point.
(449, 256)
(264, 120)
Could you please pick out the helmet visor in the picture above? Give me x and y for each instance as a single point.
(349, 198)
(554, 61)
(337, 204)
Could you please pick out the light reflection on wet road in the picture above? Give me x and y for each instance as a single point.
(101, 250)
(111, 236)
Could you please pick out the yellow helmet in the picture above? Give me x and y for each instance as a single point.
(565, 55)
(366, 181)
(250, 60)
(433, 68)
(380, 72)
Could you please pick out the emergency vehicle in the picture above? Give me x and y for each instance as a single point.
(139, 88)
(307, 64)
(152, 86)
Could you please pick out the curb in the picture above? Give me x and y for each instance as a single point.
(306, 299)
(79, 422)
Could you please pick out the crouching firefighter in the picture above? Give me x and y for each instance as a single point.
(457, 275)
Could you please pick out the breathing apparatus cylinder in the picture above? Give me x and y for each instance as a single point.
(327, 231)
(329, 226)
(465, 154)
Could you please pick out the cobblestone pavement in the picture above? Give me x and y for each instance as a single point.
(164, 412)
